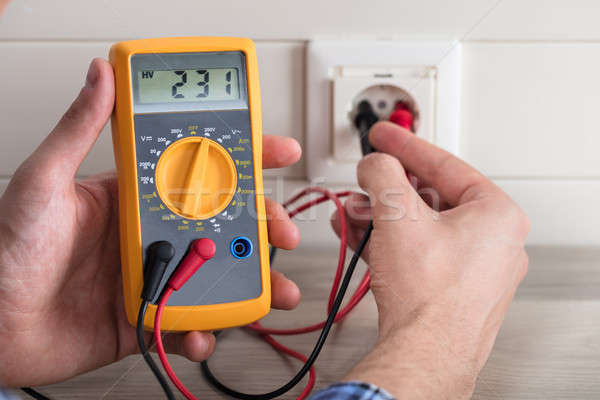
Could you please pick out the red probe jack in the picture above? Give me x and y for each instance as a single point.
(201, 251)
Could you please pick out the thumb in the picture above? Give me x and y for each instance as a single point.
(392, 196)
(64, 149)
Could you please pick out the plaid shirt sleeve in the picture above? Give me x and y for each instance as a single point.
(352, 391)
(5, 395)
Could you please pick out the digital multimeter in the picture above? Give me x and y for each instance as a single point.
(187, 139)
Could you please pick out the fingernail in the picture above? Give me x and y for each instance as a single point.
(92, 75)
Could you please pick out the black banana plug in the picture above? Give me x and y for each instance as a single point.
(364, 120)
(159, 255)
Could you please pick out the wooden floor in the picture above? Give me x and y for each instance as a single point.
(548, 348)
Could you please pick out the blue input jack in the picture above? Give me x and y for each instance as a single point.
(241, 247)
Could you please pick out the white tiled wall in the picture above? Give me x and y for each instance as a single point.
(259, 19)
(530, 90)
(54, 71)
(531, 109)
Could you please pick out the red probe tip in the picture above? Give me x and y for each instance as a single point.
(402, 116)
(401, 106)
(201, 250)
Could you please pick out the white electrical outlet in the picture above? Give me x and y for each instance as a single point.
(426, 75)
(383, 87)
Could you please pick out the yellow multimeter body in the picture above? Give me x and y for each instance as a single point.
(187, 136)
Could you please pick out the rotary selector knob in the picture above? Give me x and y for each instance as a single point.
(196, 178)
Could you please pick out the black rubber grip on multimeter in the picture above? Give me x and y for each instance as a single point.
(160, 255)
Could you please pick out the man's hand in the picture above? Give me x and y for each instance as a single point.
(61, 301)
(442, 281)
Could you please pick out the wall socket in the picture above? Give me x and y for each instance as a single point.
(341, 73)
(383, 87)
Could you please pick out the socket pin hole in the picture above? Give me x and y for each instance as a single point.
(383, 99)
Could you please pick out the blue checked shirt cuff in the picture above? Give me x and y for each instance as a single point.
(352, 391)
(6, 395)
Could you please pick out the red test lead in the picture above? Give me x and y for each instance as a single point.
(200, 251)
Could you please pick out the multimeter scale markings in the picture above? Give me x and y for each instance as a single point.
(235, 141)
(227, 277)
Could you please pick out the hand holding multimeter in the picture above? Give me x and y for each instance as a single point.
(68, 252)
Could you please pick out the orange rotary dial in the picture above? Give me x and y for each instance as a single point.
(196, 178)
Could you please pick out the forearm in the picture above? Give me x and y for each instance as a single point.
(412, 366)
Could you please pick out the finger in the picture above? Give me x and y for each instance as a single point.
(456, 181)
(354, 235)
(392, 196)
(195, 346)
(358, 210)
(285, 294)
(279, 151)
(432, 198)
(63, 150)
(429, 195)
(283, 233)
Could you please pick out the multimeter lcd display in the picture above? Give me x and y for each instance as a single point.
(176, 82)
(187, 85)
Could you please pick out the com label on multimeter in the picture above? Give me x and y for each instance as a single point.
(187, 140)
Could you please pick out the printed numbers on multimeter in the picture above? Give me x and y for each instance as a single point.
(187, 140)
(189, 85)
